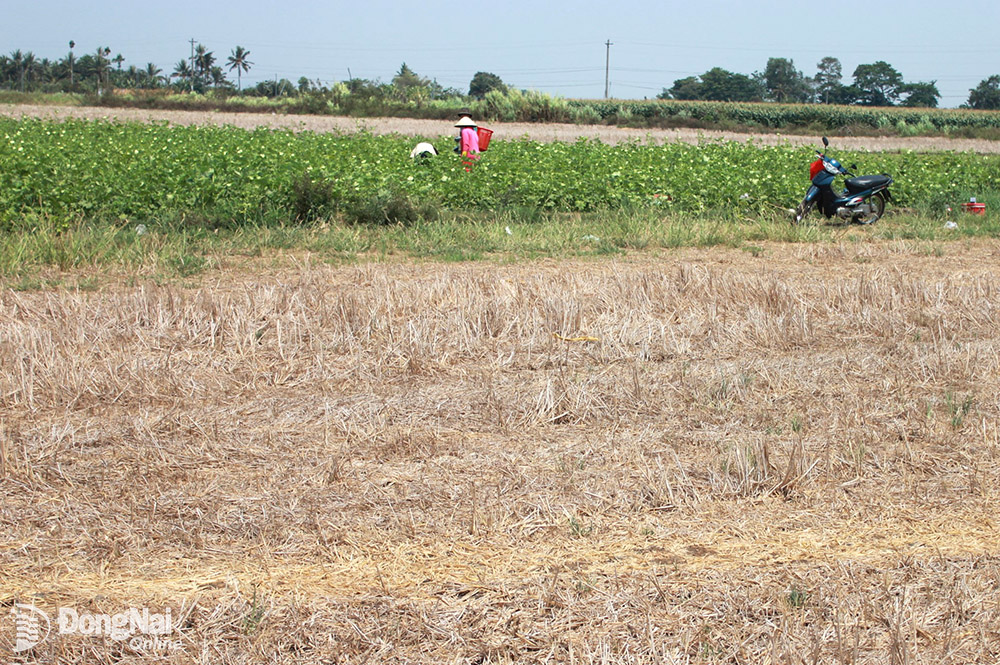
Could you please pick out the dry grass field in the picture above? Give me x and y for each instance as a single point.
(611, 135)
(701, 456)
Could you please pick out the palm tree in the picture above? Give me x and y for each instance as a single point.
(152, 74)
(46, 71)
(101, 66)
(5, 69)
(238, 60)
(182, 70)
(28, 66)
(70, 61)
(203, 62)
(219, 78)
(17, 61)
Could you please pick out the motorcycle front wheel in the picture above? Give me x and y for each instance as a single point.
(803, 210)
(877, 203)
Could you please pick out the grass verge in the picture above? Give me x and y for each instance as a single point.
(171, 248)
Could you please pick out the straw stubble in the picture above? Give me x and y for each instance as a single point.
(705, 457)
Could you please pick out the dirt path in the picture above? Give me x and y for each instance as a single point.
(506, 131)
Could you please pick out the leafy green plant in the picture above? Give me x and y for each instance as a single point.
(578, 529)
(386, 206)
(313, 198)
(958, 408)
(796, 597)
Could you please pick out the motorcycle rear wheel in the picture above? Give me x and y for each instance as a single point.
(877, 203)
(803, 210)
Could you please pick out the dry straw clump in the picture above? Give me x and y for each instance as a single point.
(705, 457)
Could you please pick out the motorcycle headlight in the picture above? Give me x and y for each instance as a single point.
(831, 168)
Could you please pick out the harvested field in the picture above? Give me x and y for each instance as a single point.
(704, 456)
(505, 131)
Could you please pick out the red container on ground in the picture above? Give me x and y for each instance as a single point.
(975, 208)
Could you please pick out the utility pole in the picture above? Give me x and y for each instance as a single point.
(191, 76)
(607, 63)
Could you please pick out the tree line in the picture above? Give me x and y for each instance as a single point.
(875, 84)
(96, 71)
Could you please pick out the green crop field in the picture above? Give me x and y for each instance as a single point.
(904, 121)
(79, 170)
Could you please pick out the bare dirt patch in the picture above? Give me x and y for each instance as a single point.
(506, 131)
(692, 457)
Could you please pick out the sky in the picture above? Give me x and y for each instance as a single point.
(555, 47)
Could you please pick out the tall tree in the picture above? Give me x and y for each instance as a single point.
(828, 80)
(688, 87)
(239, 60)
(17, 64)
(101, 68)
(152, 75)
(408, 83)
(921, 94)
(720, 85)
(118, 60)
(784, 83)
(28, 66)
(986, 95)
(879, 84)
(70, 61)
(182, 70)
(204, 60)
(484, 82)
(218, 78)
(46, 71)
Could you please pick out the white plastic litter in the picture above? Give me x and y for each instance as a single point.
(140, 230)
(508, 231)
(950, 225)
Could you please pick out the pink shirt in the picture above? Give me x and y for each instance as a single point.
(470, 141)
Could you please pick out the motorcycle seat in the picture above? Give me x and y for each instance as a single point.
(861, 183)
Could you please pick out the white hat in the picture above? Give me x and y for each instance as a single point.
(466, 122)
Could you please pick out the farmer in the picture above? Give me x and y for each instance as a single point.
(468, 141)
(423, 150)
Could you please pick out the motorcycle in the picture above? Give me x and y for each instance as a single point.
(863, 199)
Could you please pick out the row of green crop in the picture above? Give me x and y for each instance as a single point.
(779, 116)
(100, 170)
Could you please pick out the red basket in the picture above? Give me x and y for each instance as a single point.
(484, 138)
(975, 208)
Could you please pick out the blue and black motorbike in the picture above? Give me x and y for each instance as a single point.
(863, 199)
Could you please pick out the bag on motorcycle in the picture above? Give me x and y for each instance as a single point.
(815, 168)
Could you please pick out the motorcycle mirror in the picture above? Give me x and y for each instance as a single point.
(826, 142)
